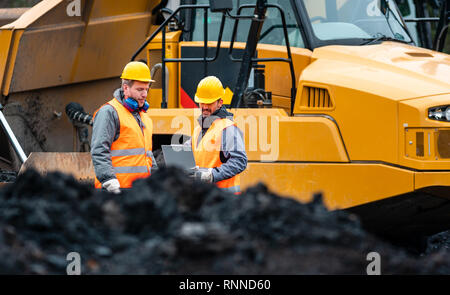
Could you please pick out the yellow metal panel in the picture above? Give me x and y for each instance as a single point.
(426, 148)
(281, 102)
(278, 77)
(35, 14)
(228, 96)
(389, 69)
(69, 63)
(343, 185)
(291, 139)
(413, 117)
(426, 179)
(154, 57)
(414, 112)
(269, 134)
(443, 143)
(109, 58)
(173, 121)
(367, 122)
(261, 112)
(103, 8)
(431, 159)
(154, 98)
(76, 49)
(372, 120)
(11, 60)
(5, 42)
(35, 68)
(171, 37)
(50, 12)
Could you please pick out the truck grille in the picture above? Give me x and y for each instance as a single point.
(316, 98)
(427, 143)
(443, 144)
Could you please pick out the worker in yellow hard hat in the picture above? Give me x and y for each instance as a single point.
(217, 142)
(121, 149)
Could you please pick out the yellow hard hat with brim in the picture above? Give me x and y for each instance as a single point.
(137, 71)
(209, 90)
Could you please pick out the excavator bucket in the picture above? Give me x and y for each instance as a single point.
(79, 165)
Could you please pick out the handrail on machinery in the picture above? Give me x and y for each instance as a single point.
(206, 59)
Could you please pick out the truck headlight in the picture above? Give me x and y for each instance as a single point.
(441, 113)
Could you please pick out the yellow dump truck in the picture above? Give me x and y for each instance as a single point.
(332, 96)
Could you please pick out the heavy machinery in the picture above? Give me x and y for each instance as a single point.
(332, 95)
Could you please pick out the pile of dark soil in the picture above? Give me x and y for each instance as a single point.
(169, 224)
(439, 242)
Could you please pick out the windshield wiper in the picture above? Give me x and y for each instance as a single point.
(387, 14)
(382, 38)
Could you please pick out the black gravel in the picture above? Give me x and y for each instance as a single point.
(168, 224)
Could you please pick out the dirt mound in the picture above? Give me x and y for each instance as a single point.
(438, 242)
(169, 224)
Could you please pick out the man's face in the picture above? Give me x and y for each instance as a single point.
(138, 91)
(209, 108)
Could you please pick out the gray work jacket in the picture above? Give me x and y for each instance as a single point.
(105, 131)
(233, 155)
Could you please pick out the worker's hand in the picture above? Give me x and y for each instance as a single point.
(112, 186)
(191, 172)
(207, 176)
(204, 174)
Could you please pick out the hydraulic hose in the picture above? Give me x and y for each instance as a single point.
(77, 114)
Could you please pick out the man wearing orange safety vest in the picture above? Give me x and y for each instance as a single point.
(122, 133)
(217, 143)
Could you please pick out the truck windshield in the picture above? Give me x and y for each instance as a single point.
(271, 33)
(356, 19)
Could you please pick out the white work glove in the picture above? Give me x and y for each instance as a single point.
(203, 174)
(112, 186)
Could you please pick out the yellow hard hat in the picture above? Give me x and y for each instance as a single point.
(137, 71)
(209, 90)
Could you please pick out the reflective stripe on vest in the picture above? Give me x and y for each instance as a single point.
(130, 153)
(207, 152)
(127, 152)
(131, 169)
(234, 189)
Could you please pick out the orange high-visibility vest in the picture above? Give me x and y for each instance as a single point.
(207, 152)
(131, 152)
